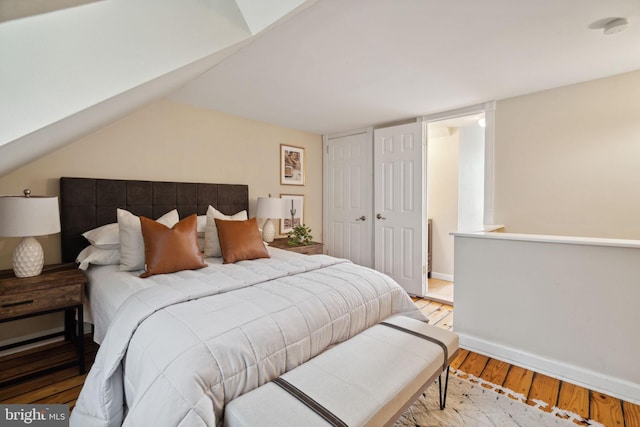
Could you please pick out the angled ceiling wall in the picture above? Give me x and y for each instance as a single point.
(16, 9)
(62, 74)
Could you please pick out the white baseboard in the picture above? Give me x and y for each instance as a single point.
(441, 276)
(60, 329)
(596, 381)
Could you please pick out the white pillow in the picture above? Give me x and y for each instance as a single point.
(211, 241)
(202, 225)
(131, 240)
(97, 256)
(105, 237)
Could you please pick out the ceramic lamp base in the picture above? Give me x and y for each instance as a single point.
(28, 258)
(268, 231)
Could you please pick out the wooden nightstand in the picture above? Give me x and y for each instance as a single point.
(60, 287)
(314, 248)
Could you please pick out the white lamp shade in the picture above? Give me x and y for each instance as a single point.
(29, 216)
(269, 207)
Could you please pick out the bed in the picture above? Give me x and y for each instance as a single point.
(176, 348)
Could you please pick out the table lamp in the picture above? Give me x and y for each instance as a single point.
(269, 208)
(28, 216)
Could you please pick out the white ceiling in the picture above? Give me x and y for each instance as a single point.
(346, 64)
(68, 71)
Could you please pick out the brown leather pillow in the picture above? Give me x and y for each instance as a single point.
(167, 250)
(240, 240)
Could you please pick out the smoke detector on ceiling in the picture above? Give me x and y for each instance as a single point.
(615, 26)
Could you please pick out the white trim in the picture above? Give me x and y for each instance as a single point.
(489, 109)
(38, 334)
(436, 298)
(615, 387)
(396, 123)
(541, 238)
(346, 133)
(32, 345)
(459, 112)
(58, 330)
(441, 276)
(489, 144)
(325, 191)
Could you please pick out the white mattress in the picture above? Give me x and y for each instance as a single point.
(109, 287)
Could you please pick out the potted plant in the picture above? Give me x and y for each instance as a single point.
(300, 236)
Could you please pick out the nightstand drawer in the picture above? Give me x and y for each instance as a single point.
(18, 304)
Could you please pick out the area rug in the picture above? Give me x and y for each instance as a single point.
(474, 403)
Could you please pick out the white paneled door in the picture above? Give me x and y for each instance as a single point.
(400, 205)
(349, 226)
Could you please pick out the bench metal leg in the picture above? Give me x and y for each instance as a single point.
(443, 397)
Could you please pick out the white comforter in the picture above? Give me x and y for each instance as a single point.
(178, 351)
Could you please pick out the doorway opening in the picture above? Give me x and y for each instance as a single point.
(455, 193)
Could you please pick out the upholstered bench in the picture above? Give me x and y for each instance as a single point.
(370, 379)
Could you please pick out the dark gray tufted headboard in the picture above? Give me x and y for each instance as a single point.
(87, 203)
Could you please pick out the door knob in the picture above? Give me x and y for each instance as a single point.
(380, 217)
(362, 218)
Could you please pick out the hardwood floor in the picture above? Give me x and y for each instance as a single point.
(440, 291)
(63, 386)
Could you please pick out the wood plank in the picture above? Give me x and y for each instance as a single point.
(421, 303)
(457, 361)
(57, 387)
(631, 414)
(495, 372)
(606, 410)
(431, 307)
(545, 389)
(25, 353)
(10, 363)
(575, 399)
(8, 393)
(63, 397)
(519, 380)
(38, 365)
(437, 315)
(446, 322)
(474, 364)
(25, 386)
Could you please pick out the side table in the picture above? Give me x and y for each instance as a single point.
(60, 287)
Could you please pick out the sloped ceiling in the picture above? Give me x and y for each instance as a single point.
(342, 65)
(324, 66)
(66, 73)
(16, 9)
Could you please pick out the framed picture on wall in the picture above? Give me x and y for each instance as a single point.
(291, 165)
(293, 212)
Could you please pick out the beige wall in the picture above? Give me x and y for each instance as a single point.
(442, 200)
(170, 141)
(567, 160)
